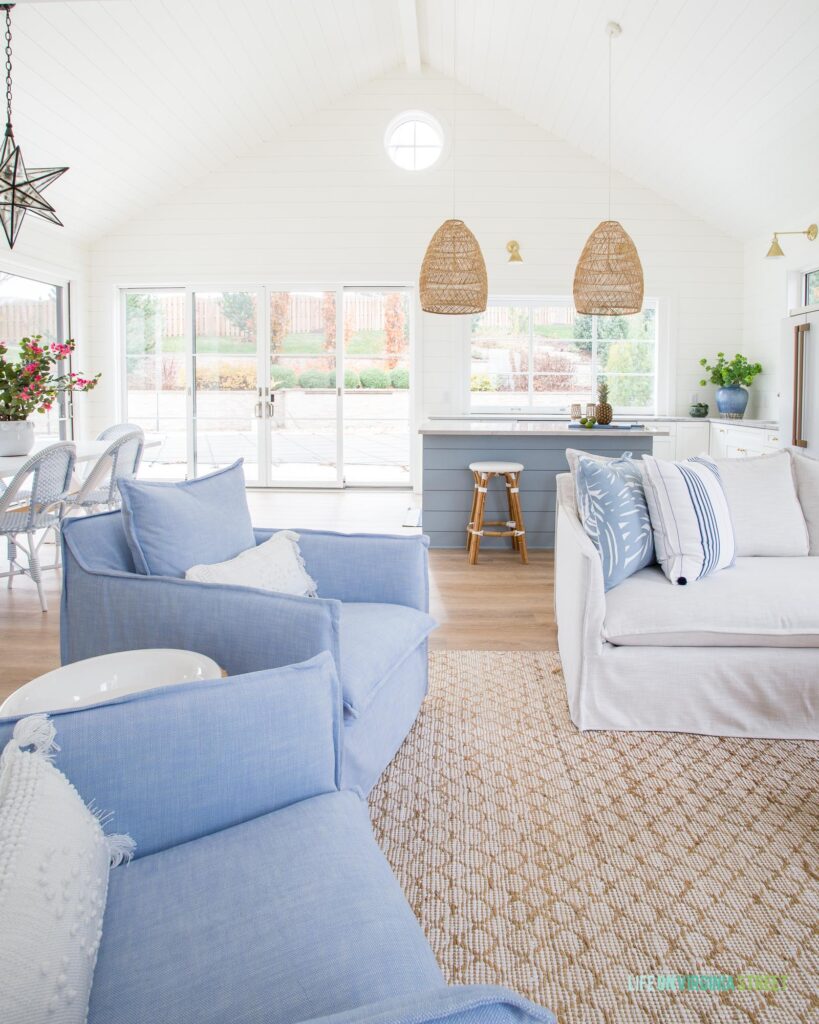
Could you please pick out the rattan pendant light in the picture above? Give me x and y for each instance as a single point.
(453, 273)
(608, 279)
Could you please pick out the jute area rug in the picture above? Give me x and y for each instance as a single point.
(568, 865)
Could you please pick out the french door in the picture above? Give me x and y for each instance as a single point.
(310, 386)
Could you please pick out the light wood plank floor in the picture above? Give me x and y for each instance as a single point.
(499, 604)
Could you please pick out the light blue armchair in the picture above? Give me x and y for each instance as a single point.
(371, 616)
(257, 894)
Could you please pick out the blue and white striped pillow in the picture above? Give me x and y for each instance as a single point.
(613, 510)
(693, 531)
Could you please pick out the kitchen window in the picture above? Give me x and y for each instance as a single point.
(540, 355)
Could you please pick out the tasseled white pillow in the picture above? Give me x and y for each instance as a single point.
(54, 862)
(275, 564)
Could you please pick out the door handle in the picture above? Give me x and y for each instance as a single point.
(257, 410)
(799, 332)
(269, 408)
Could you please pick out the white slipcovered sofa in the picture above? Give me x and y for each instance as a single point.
(735, 654)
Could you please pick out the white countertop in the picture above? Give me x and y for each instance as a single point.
(493, 427)
(648, 420)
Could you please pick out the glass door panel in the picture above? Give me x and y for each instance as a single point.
(303, 406)
(156, 361)
(228, 406)
(376, 386)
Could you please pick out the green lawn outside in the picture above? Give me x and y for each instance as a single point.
(362, 343)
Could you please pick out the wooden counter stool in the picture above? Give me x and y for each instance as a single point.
(483, 473)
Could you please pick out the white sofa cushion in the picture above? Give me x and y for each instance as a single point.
(761, 602)
(807, 489)
(767, 516)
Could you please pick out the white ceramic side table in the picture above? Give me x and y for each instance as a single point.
(111, 675)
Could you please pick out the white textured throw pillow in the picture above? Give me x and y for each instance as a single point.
(765, 510)
(54, 861)
(807, 487)
(693, 532)
(276, 564)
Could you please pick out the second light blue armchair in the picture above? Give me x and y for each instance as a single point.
(257, 894)
(371, 615)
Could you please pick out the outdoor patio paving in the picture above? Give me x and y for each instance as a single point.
(217, 448)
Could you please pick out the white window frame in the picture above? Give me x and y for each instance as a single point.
(556, 408)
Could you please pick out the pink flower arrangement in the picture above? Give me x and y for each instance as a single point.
(32, 382)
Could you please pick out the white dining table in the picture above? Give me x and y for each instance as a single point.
(87, 451)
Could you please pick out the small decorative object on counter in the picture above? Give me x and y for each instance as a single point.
(732, 377)
(588, 422)
(591, 411)
(603, 412)
(699, 410)
(575, 412)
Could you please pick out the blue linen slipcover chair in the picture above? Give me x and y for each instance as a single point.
(257, 894)
(371, 615)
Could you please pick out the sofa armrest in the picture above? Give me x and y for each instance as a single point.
(180, 762)
(243, 629)
(456, 1004)
(580, 600)
(367, 567)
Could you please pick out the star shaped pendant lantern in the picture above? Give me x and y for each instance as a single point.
(21, 188)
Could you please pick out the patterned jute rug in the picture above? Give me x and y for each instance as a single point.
(577, 867)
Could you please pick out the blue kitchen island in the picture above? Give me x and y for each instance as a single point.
(450, 445)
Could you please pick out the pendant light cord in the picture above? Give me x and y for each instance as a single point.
(8, 66)
(454, 94)
(611, 38)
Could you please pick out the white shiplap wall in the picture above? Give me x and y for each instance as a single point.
(767, 303)
(322, 203)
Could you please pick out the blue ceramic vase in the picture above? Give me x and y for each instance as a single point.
(732, 401)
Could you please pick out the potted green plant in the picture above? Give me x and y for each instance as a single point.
(732, 377)
(30, 384)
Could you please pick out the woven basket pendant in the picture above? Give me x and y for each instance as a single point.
(608, 280)
(453, 274)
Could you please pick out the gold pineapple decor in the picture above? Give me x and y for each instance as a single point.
(603, 412)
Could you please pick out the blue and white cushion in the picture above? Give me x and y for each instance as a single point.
(690, 516)
(614, 513)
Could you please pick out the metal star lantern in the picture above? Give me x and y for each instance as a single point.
(20, 188)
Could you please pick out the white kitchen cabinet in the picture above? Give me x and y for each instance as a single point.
(719, 441)
(692, 439)
(733, 441)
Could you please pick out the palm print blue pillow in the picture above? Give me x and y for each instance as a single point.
(614, 513)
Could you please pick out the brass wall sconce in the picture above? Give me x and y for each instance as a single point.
(775, 250)
(513, 248)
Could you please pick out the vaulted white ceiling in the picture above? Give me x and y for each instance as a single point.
(716, 101)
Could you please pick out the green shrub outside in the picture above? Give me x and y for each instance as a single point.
(374, 378)
(283, 374)
(480, 382)
(312, 379)
(400, 379)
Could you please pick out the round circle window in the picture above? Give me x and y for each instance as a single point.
(414, 140)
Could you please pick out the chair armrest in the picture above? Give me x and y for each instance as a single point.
(180, 762)
(367, 567)
(458, 1004)
(243, 629)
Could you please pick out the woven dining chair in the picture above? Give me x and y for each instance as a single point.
(31, 504)
(117, 430)
(100, 488)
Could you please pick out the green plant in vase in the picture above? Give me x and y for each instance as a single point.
(732, 377)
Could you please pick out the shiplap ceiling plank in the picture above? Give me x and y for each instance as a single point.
(716, 103)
